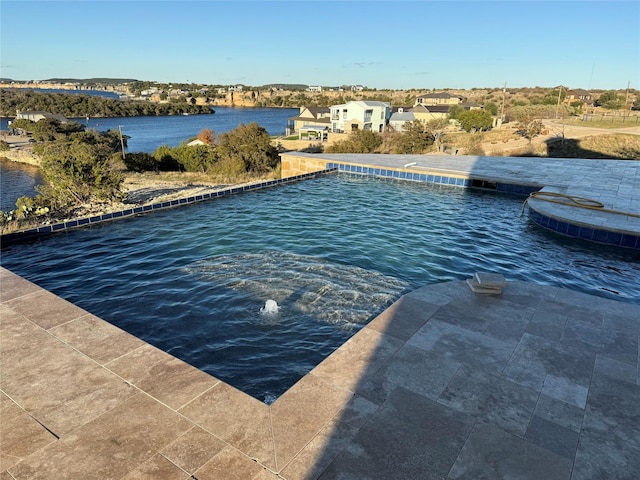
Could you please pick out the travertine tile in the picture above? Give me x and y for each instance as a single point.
(193, 449)
(96, 338)
(162, 376)
(302, 412)
(13, 286)
(403, 318)
(231, 464)
(158, 467)
(358, 358)
(110, 446)
(45, 309)
(236, 418)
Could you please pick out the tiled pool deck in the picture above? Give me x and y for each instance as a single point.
(537, 383)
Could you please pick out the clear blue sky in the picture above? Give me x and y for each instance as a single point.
(380, 44)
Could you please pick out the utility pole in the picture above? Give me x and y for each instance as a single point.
(504, 91)
(558, 105)
(121, 140)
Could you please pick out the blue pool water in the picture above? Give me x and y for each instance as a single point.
(332, 252)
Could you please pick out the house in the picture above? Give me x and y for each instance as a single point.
(578, 95)
(361, 114)
(438, 98)
(399, 118)
(427, 113)
(314, 88)
(36, 115)
(309, 116)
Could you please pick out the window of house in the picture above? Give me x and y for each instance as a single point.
(367, 115)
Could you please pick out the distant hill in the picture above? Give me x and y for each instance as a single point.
(286, 86)
(110, 81)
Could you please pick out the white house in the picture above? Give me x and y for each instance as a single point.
(356, 115)
(399, 119)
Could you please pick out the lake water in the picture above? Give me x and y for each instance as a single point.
(147, 134)
(332, 252)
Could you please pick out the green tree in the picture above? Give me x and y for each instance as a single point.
(610, 100)
(492, 108)
(454, 111)
(196, 158)
(475, 120)
(415, 138)
(77, 172)
(358, 141)
(251, 146)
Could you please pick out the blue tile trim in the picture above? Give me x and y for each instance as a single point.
(585, 233)
(87, 221)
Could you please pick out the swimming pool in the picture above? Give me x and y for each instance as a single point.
(332, 252)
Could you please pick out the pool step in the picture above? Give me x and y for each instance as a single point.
(487, 283)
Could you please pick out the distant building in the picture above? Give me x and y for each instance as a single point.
(309, 116)
(399, 119)
(314, 88)
(36, 115)
(356, 115)
(438, 98)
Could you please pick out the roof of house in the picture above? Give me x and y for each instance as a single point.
(579, 92)
(52, 116)
(431, 108)
(364, 104)
(402, 117)
(439, 95)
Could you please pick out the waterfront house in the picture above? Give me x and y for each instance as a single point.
(36, 115)
(360, 115)
(308, 116)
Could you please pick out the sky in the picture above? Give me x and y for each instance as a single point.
(379, 44)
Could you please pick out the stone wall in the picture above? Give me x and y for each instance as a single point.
(295, 165)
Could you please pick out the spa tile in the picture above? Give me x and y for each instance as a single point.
(409, 436)
(491, 453)
(45, 309)
(96, 338)
(303, 411)
(236, 418)
(357, 359)
(20, 434)
(320, 452)
(402, 319)
(491, 399)
(193, 449)
(109, 446)
(419, 371)
(162, 376)
(158, 467)
(13, 286)
(231, 464)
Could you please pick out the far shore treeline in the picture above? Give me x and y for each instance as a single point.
(74, 106)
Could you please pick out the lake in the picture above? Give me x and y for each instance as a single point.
(148, 133)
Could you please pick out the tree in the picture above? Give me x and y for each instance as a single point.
(610, 100)
(359, 141)
(249, 144)
(475, 120)
(77, 172)
(492, 108)
(415, 138)
(207, 136)
(196, 158)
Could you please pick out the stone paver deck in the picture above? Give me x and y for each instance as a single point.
(537, 383)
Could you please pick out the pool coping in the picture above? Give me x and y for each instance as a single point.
(81, 397)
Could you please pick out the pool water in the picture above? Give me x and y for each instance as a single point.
(332, 252)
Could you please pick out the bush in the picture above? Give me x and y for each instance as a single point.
(140, 162)
(359, 141)
(4, 146)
